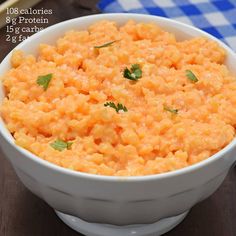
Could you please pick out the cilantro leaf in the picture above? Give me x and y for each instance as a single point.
(191, 76)
(134, 73)
(121, 107)
(60, 145)
(105, 44)
(117, 107)
(173, 111)
(44, 80)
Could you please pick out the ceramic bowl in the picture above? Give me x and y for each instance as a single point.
(117, 201)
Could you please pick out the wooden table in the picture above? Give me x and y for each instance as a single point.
(23, 214)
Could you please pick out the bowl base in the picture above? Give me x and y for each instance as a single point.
(95, 229)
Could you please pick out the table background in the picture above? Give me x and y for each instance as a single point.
(23, 214)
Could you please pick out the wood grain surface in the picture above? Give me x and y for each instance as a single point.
(23, 214)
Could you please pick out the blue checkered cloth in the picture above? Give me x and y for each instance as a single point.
(217, 17)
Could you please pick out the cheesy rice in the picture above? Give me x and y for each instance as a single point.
(62, 104)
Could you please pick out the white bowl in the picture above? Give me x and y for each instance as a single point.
(118, 200)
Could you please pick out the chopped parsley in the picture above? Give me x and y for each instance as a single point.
(105, 44)
(191, 76)
(44, 80)
(117, 107)
(134, 73)
(60, 145)
(173, 111)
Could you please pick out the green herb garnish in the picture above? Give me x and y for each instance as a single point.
(191, 76)
(60, 145)
(117, 107)
(44, 80)
(134, 73)
(105, 44)
(173, 111)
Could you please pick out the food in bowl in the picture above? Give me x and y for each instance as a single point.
(123, 101)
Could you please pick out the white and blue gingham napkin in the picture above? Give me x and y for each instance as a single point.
(217, 17)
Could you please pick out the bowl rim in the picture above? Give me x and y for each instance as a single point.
(9, 138)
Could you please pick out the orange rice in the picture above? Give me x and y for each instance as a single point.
(146, 139)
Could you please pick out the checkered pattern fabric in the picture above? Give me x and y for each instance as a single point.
(217, 17)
